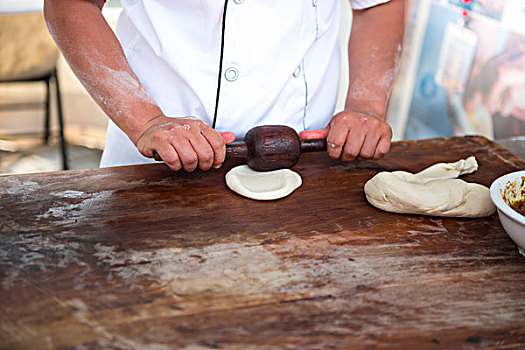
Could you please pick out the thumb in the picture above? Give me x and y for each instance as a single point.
(314, 134)
(228, 136)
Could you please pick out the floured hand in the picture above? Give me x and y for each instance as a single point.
(184, 143)
(352, 134)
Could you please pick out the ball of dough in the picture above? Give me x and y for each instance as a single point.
(433, 191)
(262, 185)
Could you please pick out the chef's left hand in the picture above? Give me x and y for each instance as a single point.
(352, 134)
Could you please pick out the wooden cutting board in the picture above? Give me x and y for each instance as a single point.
(143, 257)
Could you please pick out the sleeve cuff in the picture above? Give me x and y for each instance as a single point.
(363, 4)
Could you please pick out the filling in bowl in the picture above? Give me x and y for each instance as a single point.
(514, 195)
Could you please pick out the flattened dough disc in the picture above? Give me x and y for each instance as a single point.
(262, 185)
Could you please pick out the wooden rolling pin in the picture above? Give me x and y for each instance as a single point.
(270, 147)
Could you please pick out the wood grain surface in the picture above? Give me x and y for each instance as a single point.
(145, 258)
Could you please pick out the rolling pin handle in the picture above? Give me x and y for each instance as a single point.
(237, 149)
(313, 145)
(156, 156)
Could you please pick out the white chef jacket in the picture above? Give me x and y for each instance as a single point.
(20, 6)
(280, 65)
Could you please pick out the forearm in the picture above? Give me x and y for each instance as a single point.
(96, 57)
(374, 51)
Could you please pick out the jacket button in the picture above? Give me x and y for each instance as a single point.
(297, 71)
(231, 74)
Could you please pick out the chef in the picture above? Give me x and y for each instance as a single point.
(185, 77)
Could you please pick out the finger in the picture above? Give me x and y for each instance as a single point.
(145, 149)
(156, 156)
(368, 148)
(218, 146)
(383, 146)
(187, 155)
(170, 157)
(314, 134)
(148, 152)
(353, 145)
(336, 138)
(203, 149)
(228, 136)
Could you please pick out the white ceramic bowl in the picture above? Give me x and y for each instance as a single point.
(512, 221)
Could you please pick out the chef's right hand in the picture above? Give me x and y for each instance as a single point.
(184, 143)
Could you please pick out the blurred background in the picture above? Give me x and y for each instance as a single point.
(462, 72)
(27, 52)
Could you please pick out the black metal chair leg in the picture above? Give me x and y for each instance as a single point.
(63, 144)
(48, 110)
